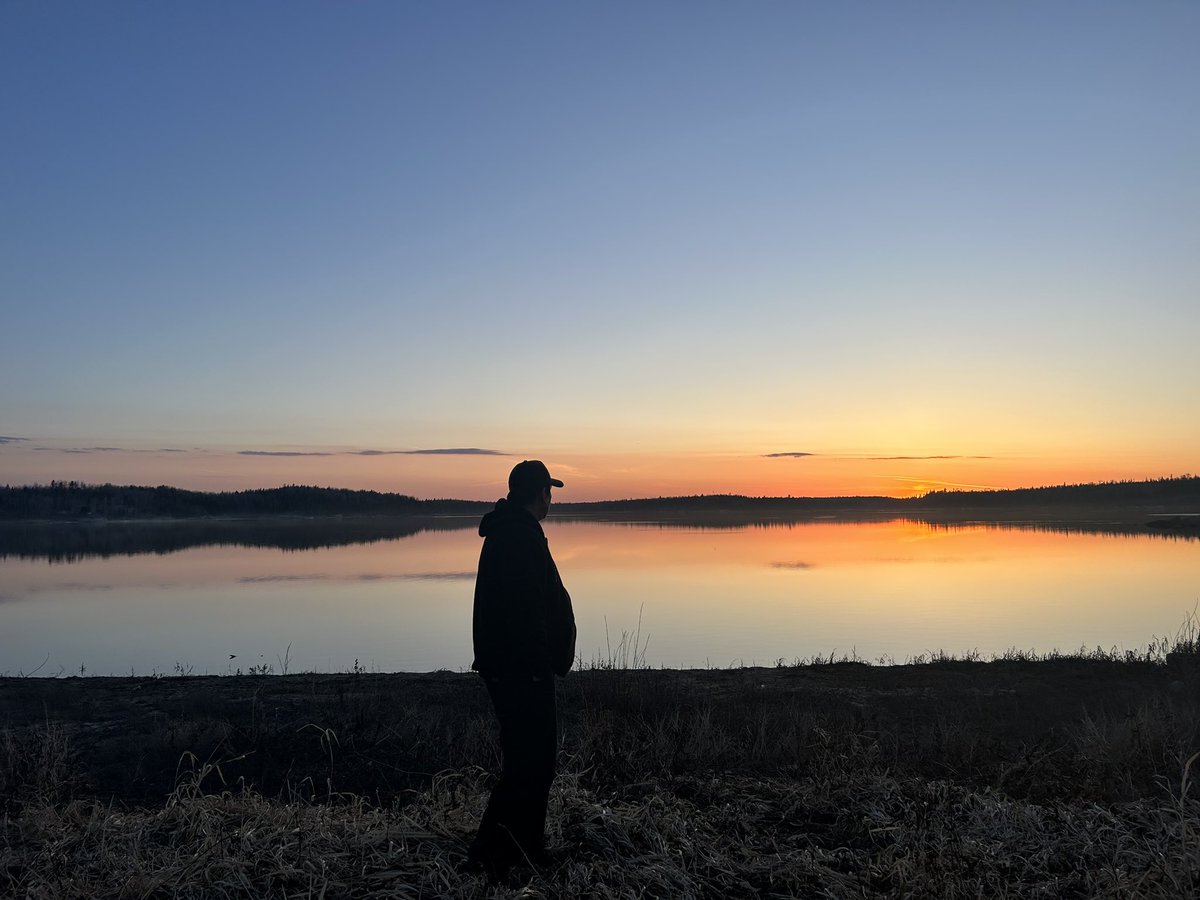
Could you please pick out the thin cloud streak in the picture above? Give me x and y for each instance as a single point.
(282, 453)
(886, 458)
(102, 449)
(11, 440)
(454, 451)
(932, 483)
(794, 454)
(446, 451)
(272, 579)
(419, 576)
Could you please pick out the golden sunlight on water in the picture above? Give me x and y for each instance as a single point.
(746, 595)
(896, 588)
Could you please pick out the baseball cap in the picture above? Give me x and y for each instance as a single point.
(531, 473)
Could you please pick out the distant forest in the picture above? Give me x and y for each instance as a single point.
(1179, 495)
(74, 500)
(1171, 491)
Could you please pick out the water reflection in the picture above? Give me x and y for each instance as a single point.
(69, 542)
(72, 541)
(396, 595)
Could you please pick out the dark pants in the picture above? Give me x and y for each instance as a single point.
(514, 824)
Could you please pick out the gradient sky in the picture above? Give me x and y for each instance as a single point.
(649, 243)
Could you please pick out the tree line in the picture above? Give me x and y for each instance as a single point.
(74, 499)
(1154, 491)
(77, 500)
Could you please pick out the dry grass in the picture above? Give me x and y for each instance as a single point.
(1073, 776)
(715, 836)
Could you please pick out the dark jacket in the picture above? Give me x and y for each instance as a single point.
(523, 623)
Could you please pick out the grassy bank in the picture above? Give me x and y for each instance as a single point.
(1068, 776)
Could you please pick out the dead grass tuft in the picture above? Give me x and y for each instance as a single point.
(719, 835)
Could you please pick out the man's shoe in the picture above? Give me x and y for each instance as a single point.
(481, 862)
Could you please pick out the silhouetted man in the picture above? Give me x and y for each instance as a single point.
(524, 635)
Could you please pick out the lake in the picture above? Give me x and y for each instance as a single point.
(154, 599)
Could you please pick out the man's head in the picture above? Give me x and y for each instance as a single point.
(529, 486)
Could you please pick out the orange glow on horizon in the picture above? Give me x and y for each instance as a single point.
(597, 475)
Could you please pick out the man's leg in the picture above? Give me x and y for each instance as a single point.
(513, 825)
(536, 766)
(494, 846)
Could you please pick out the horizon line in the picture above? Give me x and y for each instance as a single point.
(73, 484)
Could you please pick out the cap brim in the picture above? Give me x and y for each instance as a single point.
(555, 482)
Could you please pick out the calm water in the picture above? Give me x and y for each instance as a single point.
(704, 597)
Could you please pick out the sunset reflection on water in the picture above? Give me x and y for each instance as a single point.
(703, 597)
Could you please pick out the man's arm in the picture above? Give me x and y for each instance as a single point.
(561, 619)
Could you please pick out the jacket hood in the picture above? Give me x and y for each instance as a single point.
(507, 515)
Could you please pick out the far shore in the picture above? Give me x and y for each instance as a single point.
(1129, 501)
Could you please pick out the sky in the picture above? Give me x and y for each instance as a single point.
(671, 248)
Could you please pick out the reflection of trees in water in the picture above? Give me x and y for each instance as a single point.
(732, 520)
(1114, 529)
(71, 541)
(1127, 524)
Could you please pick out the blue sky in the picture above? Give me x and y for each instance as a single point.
(630, 230)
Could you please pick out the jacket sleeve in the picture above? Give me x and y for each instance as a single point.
(561, 619)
